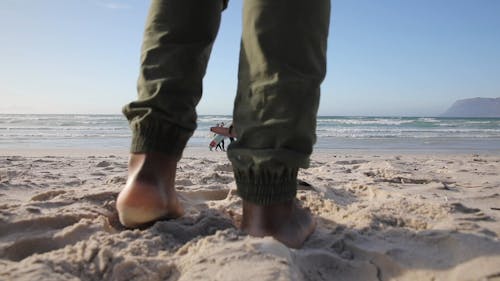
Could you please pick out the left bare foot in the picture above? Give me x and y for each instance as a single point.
(149, 193)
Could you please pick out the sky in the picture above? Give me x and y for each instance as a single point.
(385, 57)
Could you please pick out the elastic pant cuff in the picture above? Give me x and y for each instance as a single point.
(156, 136)
(266, 187)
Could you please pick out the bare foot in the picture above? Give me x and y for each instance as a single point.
(149, 193)
(287, 222)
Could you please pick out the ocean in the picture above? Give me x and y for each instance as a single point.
(46, 131)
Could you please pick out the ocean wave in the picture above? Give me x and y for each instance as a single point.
(79, 129)
(387, 122)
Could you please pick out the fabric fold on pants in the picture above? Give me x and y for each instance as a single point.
(282, 64)
(177, 43)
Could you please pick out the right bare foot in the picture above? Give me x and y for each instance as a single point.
(149, 193)
(287, 222)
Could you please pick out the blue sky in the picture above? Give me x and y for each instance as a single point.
(385, 57)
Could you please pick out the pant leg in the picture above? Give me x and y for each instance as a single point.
(177, 42)
(282, 64)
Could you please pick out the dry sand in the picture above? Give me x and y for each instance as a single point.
(381, 216)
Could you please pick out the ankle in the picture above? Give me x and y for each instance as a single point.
(268, 217)
(287, 222)
(152, 161)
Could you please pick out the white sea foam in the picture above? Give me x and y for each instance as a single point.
(105, 130)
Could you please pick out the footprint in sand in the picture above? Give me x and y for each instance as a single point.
(37, 224)
(116, 180)
(316, 265)
(70, 230)
(351, 162)
(187, 228)
(459, 207)
(103, 164)
(183, 182)
(99, 197)
(48, 195)
(216, 178)
(224, 168)
(205, 195)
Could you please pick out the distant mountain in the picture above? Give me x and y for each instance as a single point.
(476, 107)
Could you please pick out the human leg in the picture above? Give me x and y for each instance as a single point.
(177, 43)
(282, 64)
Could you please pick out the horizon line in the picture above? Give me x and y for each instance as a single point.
(228, 115)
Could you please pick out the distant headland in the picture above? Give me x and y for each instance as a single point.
(474, 107)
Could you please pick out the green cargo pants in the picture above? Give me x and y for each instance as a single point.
(282, 64)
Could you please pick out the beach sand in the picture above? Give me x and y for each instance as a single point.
(381, 216)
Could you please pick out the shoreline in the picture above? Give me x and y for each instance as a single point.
(195, 150)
